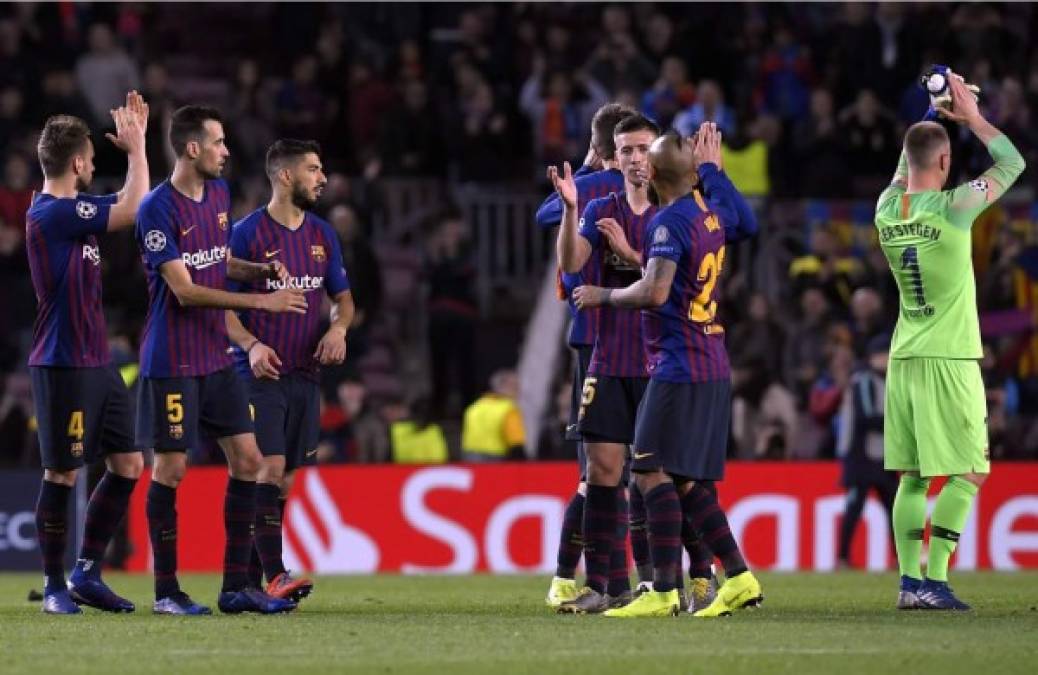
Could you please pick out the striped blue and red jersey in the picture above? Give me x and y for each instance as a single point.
(590, 185)
(313, 257)
(619, 350)
(683, 339)
(184, 341)
(65, 265)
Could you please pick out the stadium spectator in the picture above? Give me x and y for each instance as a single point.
(450, 273)
(672, 92)
(411, 140)
(251, 115)
(871, 145)
(416, 438)
(492, 430)
(785, 76)
(105, 73)
(868, 319)
(709, 107)
(829, 267)
(859, 443)
(301, 109)
(804, 354)
(559, 116)
(479, 141)
(818, 146)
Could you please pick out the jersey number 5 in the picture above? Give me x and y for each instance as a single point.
(703, 307)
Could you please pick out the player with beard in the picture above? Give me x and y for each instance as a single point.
(279, 355)
(187, 383)
(682, 426)
(81, 402)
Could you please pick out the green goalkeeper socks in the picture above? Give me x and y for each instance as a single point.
(909, 522)
(949, 517)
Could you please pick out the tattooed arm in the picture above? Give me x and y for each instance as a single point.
(652, 290)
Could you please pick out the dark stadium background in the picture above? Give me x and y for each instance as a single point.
(437, 121)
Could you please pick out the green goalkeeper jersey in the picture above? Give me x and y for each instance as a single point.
(927, 241)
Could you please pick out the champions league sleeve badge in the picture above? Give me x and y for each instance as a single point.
(155, 241)
(86, 210)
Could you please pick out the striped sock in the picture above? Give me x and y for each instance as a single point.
(599, 533)
(571, 539)
(104, 512)
(700, 557)
(52, 532)
(162, 529)
(664, 511)
(711, 526)
(619, 573)
(239, 515)
(640, 536)
(268, 529)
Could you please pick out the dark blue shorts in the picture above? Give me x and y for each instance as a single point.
(609, 408)
(583, 361)
(682, 429)
(287, 417)
(171, 411)
(82, 414)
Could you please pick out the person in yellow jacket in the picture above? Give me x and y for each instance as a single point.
(416, 439)
(493, 427)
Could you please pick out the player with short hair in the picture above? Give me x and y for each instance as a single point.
(599, 176)
(82, 406)
(682, 425)
(187, 382)
(935, 413)
(616, 375)
(279, 355)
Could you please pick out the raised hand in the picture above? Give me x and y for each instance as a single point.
(707, 145)
(138, 108)
(129, 136)
(964, 106)
(564, 184)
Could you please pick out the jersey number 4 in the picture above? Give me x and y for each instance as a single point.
(703, 307)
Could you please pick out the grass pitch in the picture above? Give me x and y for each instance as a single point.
(810, 623)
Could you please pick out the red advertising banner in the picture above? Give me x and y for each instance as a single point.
(506, 518)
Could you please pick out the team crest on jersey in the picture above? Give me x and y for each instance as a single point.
(176, 431)
(155, 241)
(221, 219)
(86, 210)
(77, 449)
(980, 184)
(661, 235)
(317, 253)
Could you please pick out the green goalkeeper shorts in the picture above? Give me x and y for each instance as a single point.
(935, 417)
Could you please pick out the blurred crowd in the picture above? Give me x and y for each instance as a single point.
(812, 100)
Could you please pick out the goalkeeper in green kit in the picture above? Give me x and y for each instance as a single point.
(935, 412)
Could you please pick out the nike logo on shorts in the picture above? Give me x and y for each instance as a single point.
(643, 455)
